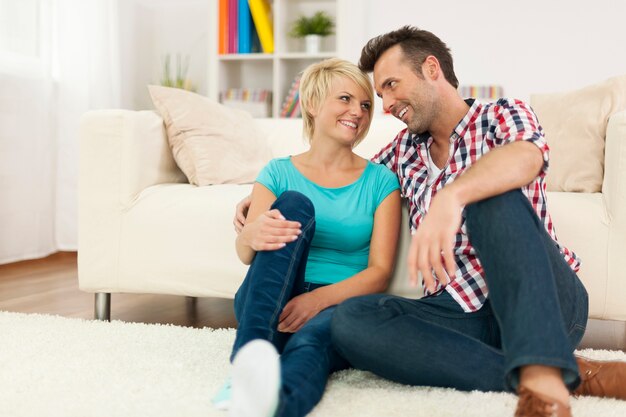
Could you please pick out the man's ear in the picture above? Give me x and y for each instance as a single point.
(431, 68)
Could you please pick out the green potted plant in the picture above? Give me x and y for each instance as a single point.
(312, 29)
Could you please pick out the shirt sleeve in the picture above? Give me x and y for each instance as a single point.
(388, 155)
(387, 183)
(270, 178)
(516, 121)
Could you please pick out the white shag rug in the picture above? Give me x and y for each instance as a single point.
(55, 366)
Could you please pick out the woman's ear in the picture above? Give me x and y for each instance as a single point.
(313, 110)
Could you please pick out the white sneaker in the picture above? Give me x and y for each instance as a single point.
(221, 400)
(256, 380)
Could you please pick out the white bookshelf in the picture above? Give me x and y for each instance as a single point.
(274, 71)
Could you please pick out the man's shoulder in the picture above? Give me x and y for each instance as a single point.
(506, 105)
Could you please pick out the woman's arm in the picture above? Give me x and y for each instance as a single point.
(264, 229)
(375, 278)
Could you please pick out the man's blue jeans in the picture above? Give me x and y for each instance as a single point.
(274, 278)
(536, 313)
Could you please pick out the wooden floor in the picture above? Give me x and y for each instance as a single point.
(50, 286)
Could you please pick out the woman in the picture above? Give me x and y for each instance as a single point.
(322, 227)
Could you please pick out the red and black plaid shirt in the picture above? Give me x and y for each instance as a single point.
(485, 126)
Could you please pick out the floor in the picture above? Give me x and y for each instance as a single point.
(50, 286)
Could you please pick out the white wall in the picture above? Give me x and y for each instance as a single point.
(151, 29)
(527, 47)
(530, 47)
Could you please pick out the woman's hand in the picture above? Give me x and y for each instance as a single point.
(270, 231)
(298, 311)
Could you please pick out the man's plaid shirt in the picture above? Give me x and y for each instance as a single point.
(485, 126)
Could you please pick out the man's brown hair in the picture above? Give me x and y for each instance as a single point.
(416, 44)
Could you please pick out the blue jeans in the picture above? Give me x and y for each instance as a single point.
(274, 278)
(536, 313)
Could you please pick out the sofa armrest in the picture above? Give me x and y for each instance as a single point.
(614, 192)
(121, 153)
(125, 152)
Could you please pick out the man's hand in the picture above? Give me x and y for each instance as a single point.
(434, 239)
(270, 231)
(298, 311)
(241, 212)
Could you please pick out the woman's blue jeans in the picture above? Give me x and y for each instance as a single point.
(275, 277)
(536, 313)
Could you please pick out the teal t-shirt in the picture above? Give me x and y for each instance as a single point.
(344, 216)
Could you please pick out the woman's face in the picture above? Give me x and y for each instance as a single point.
(345, 113)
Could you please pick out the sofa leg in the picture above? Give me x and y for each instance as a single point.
(191, 307)
(102, 306)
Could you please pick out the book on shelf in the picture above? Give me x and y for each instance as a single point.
(223, 27)
(232, 26)
(483, 92)
(291, 104)
(262, 17)
(257, 102)
(245, 25)
(238, 32)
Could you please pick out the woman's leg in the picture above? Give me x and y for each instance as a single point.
(307, 361)
(274, 278)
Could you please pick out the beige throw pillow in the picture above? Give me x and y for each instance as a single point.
(575, 126)
(211, 143)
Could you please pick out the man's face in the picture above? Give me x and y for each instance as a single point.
(406, 95)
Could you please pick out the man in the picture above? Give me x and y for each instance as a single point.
(503, 308)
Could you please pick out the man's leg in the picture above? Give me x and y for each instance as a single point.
(539, 302)
(306, 362)
(430, 341)
(274, 278)
(415, 342)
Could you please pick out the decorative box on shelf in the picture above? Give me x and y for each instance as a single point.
(257, 102)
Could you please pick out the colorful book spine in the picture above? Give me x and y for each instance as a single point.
(291, 105)
(262, 16)
(256, 42)
(232, 27)
(223, 27)
(245, 26)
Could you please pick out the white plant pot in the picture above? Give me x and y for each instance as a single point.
(312, 43)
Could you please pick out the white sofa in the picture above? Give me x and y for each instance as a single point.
(144, 229)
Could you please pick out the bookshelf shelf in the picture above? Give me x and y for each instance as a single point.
(271, 71)
(304, 55)
(245, 57)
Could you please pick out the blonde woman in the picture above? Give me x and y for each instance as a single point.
(322, 227)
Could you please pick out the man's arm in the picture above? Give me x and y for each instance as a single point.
(241, 212)
(502, 169)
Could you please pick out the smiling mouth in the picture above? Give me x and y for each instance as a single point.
(402, 112)
(346, 123)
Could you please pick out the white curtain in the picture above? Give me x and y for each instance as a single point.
(47, 81)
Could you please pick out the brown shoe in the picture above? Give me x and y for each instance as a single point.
(533, 404)
(601, 379)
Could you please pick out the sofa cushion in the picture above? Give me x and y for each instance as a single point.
(211, 143)
(575, 126)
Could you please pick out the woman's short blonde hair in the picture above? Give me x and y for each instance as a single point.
(315, 86)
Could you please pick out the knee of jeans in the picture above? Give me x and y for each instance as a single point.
(495, 208)
(294, 205)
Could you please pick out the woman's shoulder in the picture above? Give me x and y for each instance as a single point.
(380, 170)
(278, 163)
